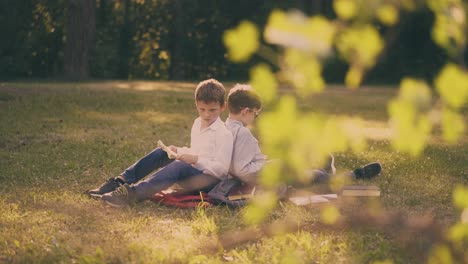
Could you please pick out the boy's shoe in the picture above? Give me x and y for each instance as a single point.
(367, 171)
(330, 165)
(109, 186)
(122, 196)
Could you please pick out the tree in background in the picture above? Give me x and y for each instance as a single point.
(162, 39)
(125, 41)
(177, 40)
(80, 37)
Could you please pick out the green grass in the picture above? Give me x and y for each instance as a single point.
(59, 139)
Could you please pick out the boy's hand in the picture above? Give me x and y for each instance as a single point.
(173, 148)
(190, 159)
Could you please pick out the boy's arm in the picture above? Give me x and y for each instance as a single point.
(188, 158)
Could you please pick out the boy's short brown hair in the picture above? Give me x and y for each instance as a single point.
(243, 96)
(210, 91)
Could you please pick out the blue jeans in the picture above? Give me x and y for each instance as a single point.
(170, 172)
(319, 176)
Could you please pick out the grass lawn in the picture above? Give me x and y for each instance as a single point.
(59, 139)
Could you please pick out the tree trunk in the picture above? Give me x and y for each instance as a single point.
(124, 43)
(81, 29)
(177, 70)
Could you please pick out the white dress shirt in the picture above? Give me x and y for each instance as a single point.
(212, 145)
(247, 158)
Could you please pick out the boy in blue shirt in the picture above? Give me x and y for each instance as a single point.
(210, 154)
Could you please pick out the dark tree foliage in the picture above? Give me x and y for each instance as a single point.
(173, 39)
(31, 42)
(411, 52)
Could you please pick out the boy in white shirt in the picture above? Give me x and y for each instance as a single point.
(210, 153)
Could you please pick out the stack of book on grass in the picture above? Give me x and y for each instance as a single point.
(243, 191)
(313, 199)
(360, 190)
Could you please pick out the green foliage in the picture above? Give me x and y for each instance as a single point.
(330, 214)
(303, 71)
(460, 196)
(264, 82)
(345, 9)
(388, 14)
(259, 209)
(449, 30)
(294, 30)
(242, 42)
(409, 116)
(360, 45)
(452, 85)
(440, 254)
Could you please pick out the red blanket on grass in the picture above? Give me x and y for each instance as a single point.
(182, 200)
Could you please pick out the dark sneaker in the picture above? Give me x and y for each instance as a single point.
(109, 186)
(368, 171)
(122, 196)
(330, 165)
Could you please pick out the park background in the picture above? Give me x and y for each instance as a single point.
(88, 86)
(178, 40)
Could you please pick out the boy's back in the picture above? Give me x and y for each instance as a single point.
(247, 159)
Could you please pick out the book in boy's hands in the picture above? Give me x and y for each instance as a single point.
(170, 153)
(243, 191)
(360, 190)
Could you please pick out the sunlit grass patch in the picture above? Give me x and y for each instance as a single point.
(59, 139)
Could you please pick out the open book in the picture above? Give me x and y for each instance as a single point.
(170, 153)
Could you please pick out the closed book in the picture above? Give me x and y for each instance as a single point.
(243, 191)
(360, 190)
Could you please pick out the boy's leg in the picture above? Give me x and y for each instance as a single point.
(153, 160)
(322, 176)
(198, 183)
(164, 178)
(318, 176)
(159, 181)
(367, 171)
